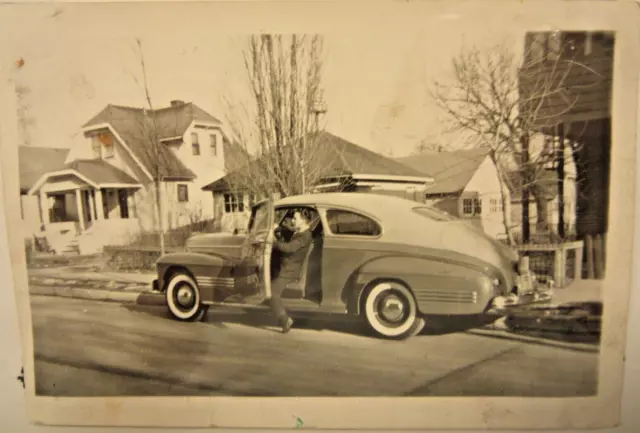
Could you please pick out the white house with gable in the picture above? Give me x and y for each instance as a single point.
(105, 192)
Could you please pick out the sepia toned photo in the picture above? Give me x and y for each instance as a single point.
(423, 211)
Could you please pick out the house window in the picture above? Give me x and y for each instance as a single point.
(183, 193)
(195, 144)
(233, 203)
(349, 223)
(214, 144)
(575, 43)
(105, 139)
(495, 205)
(96, 147)
(471, 206)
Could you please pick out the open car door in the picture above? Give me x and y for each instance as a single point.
(256, 252)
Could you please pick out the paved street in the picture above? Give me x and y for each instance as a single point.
(89, 348)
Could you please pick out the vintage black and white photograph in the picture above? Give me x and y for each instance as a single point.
(423, 210)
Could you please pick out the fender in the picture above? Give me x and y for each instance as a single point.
(440, 286)
(196, 264)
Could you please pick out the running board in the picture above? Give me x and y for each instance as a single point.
(290, 304)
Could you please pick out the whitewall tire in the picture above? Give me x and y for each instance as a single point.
(391, 311)
(183, 298)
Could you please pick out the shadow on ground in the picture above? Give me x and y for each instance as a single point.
(219, 317)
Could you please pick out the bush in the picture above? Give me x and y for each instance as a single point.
(131, 258)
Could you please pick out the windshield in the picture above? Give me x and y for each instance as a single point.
(433, 213)
(260, 219)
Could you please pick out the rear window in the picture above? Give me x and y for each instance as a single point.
(433, 213)
(343, 222)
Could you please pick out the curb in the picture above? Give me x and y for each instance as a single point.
(105, 295)
(108, 284)
(506, 335)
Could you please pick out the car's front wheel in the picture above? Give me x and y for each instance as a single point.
(391, 310)
(183, 298)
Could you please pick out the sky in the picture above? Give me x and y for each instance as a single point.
(378, 63)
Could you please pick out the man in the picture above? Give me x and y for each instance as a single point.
(292, 254)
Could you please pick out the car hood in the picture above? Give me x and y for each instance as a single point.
(213, 241)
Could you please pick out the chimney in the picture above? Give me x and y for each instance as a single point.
(177, 103)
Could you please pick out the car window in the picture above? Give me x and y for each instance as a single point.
(343, 222)
(260, 219)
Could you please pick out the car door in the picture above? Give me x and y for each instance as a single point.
(256, 251)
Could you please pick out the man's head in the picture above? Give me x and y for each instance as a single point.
(300, 221)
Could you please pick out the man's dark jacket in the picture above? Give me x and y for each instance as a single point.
(292, 254)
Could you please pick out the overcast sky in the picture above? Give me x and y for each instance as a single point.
(78, 58)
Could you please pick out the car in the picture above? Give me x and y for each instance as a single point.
(391, 261)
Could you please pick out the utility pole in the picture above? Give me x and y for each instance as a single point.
(318, 108)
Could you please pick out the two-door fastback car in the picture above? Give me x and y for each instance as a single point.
(389, 260)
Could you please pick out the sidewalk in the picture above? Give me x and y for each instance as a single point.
(81, 282)
(579, 291)
(81, 273)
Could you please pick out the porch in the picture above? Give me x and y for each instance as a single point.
(81, 212)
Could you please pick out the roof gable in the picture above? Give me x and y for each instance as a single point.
(343, 156)
(452, 171)
(33, 162)
(100, 172)
(130, 122)
(336, 155)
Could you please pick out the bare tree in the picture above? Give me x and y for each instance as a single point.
(484, 101)
(151, 134)
(278, 132)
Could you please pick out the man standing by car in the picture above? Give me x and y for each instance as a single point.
(292, 254)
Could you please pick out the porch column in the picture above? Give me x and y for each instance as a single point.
(92, 205)
(44, 208)
(80, 209)
(99, 205)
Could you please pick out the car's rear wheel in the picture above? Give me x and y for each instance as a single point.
(391, 311)
(183, 298)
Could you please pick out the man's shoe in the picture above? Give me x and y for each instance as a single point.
(286, 326)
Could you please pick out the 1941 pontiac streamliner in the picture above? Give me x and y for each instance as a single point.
(391, 261)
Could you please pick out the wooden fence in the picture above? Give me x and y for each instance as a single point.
(560, 261)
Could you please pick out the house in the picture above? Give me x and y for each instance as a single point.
(345, 166)
(466, 184)
(580, 116)
(33, 163)
(105, 192)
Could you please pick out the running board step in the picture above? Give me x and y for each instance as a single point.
(291, 304)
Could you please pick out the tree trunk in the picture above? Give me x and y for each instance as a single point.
(560, 172)
(542, 208)
(159, 215)
(526, 190)
(506, 202)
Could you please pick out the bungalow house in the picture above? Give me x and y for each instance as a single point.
(466, 184)
(33, 163)
(344, 166)
(105, 191)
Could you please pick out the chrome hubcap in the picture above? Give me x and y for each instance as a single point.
(185, 296)
(392, 308)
